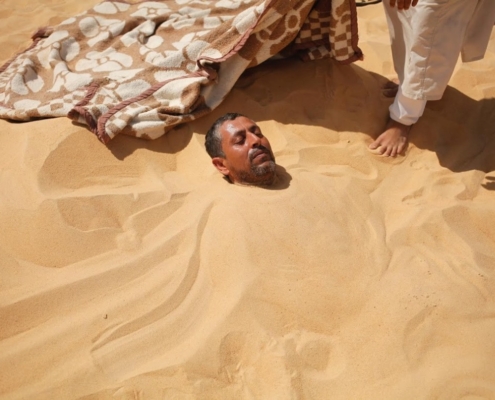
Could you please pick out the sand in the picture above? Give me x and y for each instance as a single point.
(134, 271)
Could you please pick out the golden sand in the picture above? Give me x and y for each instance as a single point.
(134, 271)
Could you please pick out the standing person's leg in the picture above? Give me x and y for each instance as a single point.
(400, 32)
(426, 42)
(478, 31)
(439, 28)
(404, 111)
(399, 39)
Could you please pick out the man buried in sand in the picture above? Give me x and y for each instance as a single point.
(240, 152)
(427, 37)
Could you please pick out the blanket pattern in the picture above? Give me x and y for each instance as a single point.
(142, 68)
(329, 32)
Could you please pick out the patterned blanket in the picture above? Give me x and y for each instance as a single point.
(141, 68)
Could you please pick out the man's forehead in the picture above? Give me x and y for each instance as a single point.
(238, 125)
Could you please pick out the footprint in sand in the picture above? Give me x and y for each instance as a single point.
(413, 197)
(250, 358)
(419, 165)
(252, 363)
(318, 356)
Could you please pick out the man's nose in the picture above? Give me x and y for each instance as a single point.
(255, 140)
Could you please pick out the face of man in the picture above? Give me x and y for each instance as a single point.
(248, 155)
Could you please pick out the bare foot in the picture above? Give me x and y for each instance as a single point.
(393, 141)
(391, 88)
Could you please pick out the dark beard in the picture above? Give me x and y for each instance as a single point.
(260, 170)
(263, 175)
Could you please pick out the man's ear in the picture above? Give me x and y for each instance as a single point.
(219, 164)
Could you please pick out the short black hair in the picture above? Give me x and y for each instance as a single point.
(213, 140)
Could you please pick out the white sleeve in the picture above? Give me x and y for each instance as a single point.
(405, 110)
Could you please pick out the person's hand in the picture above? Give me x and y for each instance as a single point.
(403, 4)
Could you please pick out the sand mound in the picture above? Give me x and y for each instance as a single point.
(134, 271)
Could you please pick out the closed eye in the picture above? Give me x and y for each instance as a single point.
(239, 139)
(256, 130)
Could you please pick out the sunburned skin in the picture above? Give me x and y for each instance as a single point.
(248, 157)
(393, 141)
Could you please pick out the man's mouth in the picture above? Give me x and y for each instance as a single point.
(259, 153)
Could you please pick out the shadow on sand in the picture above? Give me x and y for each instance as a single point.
(459, 129)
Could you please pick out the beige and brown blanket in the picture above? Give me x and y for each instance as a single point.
(142, 68)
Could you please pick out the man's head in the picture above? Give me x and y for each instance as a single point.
(239, 150)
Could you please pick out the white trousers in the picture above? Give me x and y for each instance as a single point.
(426, 43)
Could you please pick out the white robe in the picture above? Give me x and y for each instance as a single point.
(426, 43)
